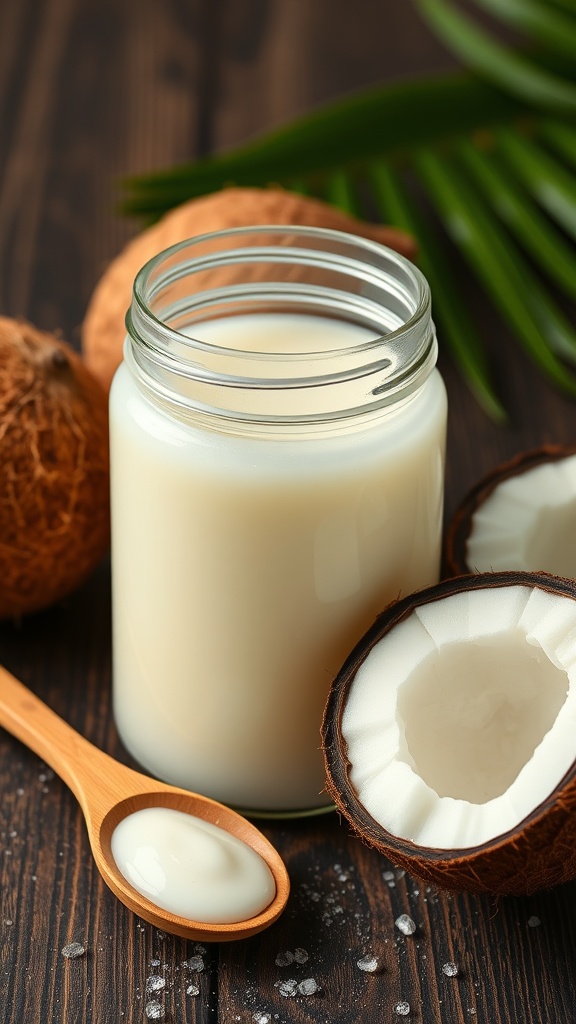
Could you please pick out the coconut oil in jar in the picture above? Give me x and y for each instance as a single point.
(277, 452)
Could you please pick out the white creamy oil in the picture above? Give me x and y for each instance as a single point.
(245, 568)
(190, 867)
(277, 450)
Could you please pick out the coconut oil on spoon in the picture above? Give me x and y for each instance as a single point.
(191, 867)
(182, 862)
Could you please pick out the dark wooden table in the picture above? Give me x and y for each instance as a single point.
(91, 90)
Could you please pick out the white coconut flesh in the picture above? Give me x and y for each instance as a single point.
(461, 720)
(527, 522)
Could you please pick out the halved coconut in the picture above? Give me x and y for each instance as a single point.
(450, 733)
(521, 516)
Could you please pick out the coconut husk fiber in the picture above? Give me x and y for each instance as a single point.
(54, 498)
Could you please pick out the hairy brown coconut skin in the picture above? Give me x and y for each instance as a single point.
(54, 472)
(103, 330)
(538, 854)
(460, 527)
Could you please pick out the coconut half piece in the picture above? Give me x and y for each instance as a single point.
(521, 516)
(450, 733)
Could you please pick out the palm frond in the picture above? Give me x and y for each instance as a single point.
(547, 180)
(485, 156)
(536, 17)
(396, 206)
(512, 71)
(545, 244)
(498, 263)
(387, 121)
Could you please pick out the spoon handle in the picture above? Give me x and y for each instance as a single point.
(72, 757)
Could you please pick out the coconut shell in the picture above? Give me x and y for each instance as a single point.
(539, 853)
(103, 330)
(54, 499)
(460, 527)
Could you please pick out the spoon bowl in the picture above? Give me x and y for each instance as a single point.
(108, 792)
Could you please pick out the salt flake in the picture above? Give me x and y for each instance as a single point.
(154, 1010)
(288, 988)
(368, 963)
(308, 987)
(73, 950)
(450, 969)
(195, 963)
(284, 959)
(402, 1009)
(405, 924)
(155, 983)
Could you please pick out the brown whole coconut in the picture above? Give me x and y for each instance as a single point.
(54, 499)
(103, 330)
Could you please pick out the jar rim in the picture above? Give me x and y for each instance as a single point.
(403, 355)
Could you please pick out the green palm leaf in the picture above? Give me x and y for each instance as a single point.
(395, 205)
(485, 156)
(537, 17)
(352, 132)
(513, 71)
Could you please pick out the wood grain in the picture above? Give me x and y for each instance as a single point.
(91, 90)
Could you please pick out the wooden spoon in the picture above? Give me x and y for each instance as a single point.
(108, 791)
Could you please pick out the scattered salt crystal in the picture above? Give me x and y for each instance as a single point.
(155, 963)
(195, 963)
(72, 950)
(533, 922)
(300, 955)
(405, 924)
(450, 969)
(154, 1010)
(388, 876)
(261, 1018)
(308, 986)
(284, 959)
(288, 988)
(341, 873)
(192, 990)
(155, 983)
(402, 1009)
(368, 964)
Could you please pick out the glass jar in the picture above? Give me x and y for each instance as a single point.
(277, 452)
